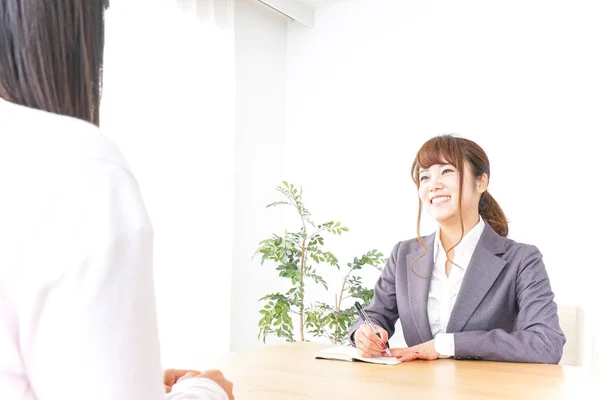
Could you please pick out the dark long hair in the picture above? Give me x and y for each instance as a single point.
(51, 54)
(454, 150)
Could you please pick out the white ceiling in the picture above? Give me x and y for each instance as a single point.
(317, 3)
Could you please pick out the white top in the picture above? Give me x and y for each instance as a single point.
(443, 290)
(196, 389)
(77, 309)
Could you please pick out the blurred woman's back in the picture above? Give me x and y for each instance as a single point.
(77, 314)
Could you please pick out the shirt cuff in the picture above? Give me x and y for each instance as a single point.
(196, 389)
(444, 344)
(351, 339)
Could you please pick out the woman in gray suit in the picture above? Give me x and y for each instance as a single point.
(465, 291)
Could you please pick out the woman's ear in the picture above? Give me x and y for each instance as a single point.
(482, 183)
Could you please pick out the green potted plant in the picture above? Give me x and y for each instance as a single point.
(298, 257)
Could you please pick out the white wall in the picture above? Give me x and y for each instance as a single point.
(260, 49)
(169, 104)
(375, 78)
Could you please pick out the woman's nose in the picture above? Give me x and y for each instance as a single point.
(434, 184)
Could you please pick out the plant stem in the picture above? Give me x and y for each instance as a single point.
(302, 286)
(302, 260)
(338, 300)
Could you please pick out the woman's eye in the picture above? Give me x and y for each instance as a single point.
(423, 178)
(447, 170)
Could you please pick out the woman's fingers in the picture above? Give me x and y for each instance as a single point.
(368, 343)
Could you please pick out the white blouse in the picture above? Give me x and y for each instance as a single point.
(77, 308)
(443, 290)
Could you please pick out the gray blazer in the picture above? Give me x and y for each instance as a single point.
(505, 310)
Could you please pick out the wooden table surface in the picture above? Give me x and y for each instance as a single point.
(290, 372)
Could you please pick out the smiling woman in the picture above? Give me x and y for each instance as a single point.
(466, 291)
(456, 161)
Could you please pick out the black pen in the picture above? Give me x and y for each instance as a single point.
(363, 315)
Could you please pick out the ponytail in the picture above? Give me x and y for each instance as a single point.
(490, 211)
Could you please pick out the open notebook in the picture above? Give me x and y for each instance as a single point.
(349, 353)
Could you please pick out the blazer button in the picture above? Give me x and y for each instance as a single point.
(458, 358)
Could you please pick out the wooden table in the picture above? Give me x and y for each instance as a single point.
(289, 372)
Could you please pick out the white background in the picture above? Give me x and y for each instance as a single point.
(169, 103)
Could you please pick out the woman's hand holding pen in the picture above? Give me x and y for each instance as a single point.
(423, 351)
(367, 342)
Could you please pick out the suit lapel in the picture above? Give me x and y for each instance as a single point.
(481, 274)
(418, 286)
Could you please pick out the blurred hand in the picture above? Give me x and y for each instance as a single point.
(423, 351)
(367, 343)
(218, 378)
(173, 375)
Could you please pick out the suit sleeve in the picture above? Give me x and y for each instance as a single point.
(383, 309)
(537, 336)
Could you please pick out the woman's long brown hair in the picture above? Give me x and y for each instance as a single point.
(448, 149)
(51, 54)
